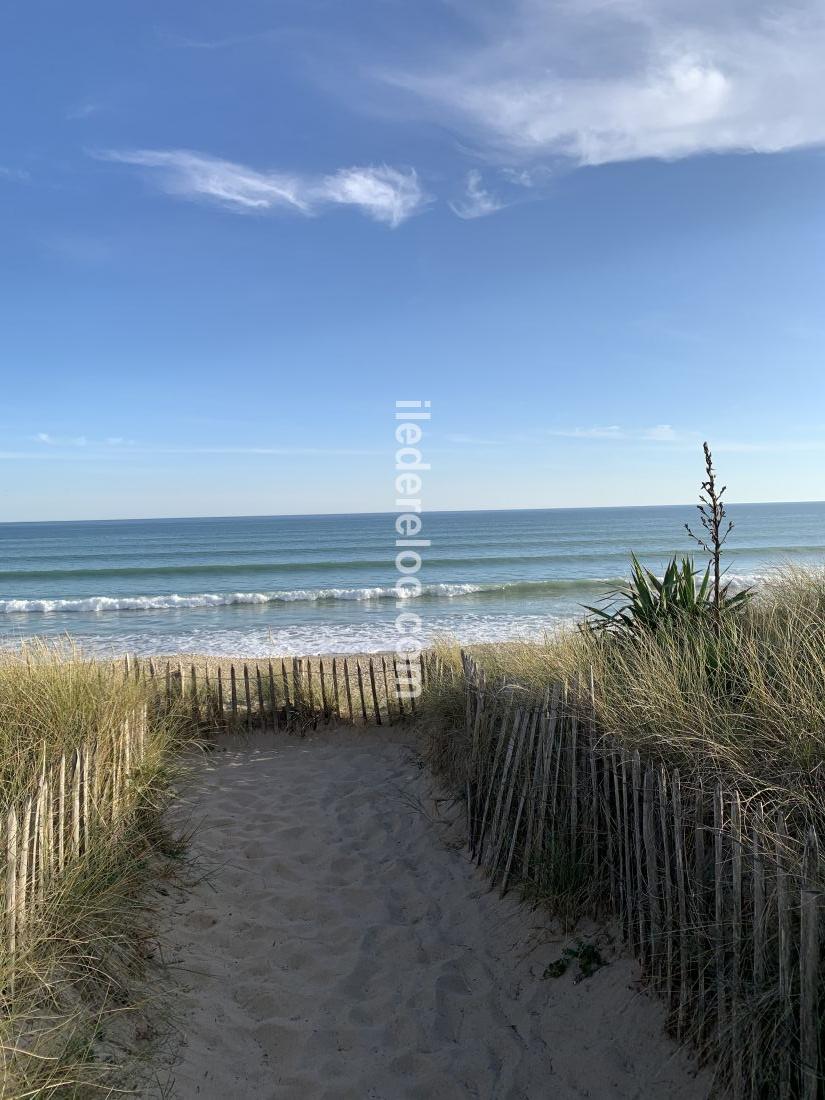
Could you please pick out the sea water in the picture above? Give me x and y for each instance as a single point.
(325, 584)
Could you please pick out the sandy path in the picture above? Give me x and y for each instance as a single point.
(342, 948)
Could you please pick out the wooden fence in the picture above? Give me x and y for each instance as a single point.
(77, 800)
(85, 795)
(293, 694)
(718, 898)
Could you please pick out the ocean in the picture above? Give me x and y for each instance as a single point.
(325, 584)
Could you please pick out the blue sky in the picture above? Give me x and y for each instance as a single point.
(590, 233)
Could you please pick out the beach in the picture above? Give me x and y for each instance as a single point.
(338, 943)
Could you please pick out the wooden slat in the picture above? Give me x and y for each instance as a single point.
(639, 894)
(23, 896)
(297, 687)
(233, 687)
(335, 693)
(273, 698)
(398, 698)
(736, 1027)
(667, 891)
(347, 688)
(525, 790)
(504, 748)
(654, 912)
(681, 901)
(377, 709)
(361, 690)
(783, 918)
(387, 689)
(261, 706)
(311, 693)
(195, 702)
(536, 783)
(324, 702)
(285, 681)
(625, 801)
(574, 770)
(700, 914)
(809, 974)
(759, 933)
(247, 695)
(61, 814)
(11, 880)
(410, 682)
(719, 916)
(509, 783)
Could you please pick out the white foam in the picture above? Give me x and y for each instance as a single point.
(227, 599)
(320, 638)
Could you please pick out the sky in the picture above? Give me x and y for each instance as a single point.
(589, 232)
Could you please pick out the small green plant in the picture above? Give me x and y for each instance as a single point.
(650, 602)
(587, 955)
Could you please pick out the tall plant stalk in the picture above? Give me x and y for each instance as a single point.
(717, 527)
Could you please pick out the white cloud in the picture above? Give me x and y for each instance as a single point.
(19, 175)
(80, 441)
(472, 440)
(594, 81)
(85, 109)
(663, 433)
(385, 194)
(477, 201)
(659, 433)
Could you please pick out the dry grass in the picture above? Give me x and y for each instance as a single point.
(68, 1026)
(747, 707)
(743, 705)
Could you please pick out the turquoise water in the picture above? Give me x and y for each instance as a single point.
(313, 584)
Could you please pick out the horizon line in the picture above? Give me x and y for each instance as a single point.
(394, 512)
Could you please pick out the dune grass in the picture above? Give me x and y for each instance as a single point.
(744, 704)
(736, 700)
(68, 1022)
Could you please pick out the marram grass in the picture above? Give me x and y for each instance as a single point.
(68, 1018)
(746, 706)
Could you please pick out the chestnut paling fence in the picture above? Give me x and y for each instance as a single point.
(289, 694)
(75, 801)
(719, 898)
(83, 797)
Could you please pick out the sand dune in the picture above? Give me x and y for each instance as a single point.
(343, 948)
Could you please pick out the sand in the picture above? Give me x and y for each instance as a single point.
(343, 947)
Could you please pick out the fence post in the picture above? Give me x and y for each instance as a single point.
(783, 913)
(719, 916)
(273, 698)
(11, 880)
(247, 695)
(374, 694)
(335, 690)
(809, 947)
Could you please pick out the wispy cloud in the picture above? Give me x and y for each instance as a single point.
(84, 109)
(16, 174)
(384, 193)
(477, 201)
(111, 446)
(594, 82)
(80, 441)
(186, 42)
(659, 433)
(472, 440)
